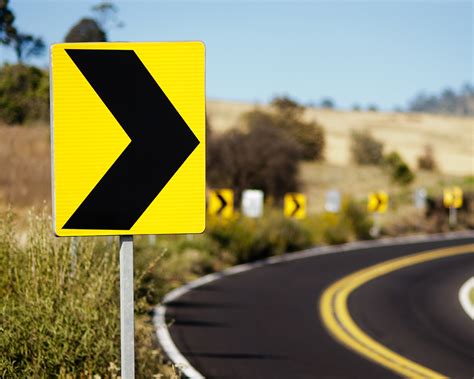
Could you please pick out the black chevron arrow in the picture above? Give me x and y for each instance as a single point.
(160, 140)
(379, 201)
(223, 202)
(297, 206)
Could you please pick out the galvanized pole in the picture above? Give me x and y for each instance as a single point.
(127, 334)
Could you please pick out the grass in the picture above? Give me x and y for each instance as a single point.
(60, 314)
(407, 133)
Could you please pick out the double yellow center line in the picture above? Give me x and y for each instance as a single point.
(337, 319)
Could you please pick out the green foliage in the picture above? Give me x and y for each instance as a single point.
(365, 149)
(399, 171)
(251, 239)
(351, 223)
(24, 94)
(56, 318)
(7, 19)
(358, 218)
(60, 315)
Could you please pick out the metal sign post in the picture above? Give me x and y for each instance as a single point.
(127, 318)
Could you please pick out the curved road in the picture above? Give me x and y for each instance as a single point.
(265, 323)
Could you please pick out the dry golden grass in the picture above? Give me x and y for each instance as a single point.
(452, 138)
(25, 152)
(25, 169)
(358, 181)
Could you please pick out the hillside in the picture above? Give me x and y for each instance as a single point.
(25, 155)
(451, 137)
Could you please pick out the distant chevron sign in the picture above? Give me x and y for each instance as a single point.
(377, 202)
(221, 203)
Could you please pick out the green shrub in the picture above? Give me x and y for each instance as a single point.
(399, 171)
(24, 94)
(358, 218)
(60, 318)
(365, 149)
(57, 319)
(252, 239)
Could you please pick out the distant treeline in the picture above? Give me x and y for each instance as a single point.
(447, 102)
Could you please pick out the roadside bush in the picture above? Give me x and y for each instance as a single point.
(249, 239)
(60, 315)
(358, 217)
(427, 161)
(399, 171)
(365, 149)
(24, 94)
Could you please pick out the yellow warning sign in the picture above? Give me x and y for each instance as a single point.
(221, 203)
(377, 202)
(452, 197)
(294, 205)
(128, 132)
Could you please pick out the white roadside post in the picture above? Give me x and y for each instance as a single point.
(127, 317)
(252, 203)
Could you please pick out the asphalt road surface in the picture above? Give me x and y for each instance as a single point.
(266, 322)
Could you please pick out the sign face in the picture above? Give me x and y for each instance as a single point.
(452, 197)
(252, 203)
(221, 203)
(420, 198)
(377, 202)
(294, 205)
(333, 201)
(128, 132)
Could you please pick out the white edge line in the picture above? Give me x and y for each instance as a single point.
(161, 328)
(464, 298)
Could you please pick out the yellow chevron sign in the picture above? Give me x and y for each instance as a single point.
(221, 203)
(377, 202)
(294, 205)
(452, 197)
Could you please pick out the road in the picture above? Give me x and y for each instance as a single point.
(268, 322)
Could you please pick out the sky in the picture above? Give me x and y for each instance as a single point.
(373, 52)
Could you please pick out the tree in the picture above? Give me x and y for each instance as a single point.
(86, 30)
(365, 149)
(287, 115)
(96, 27)
(264, 158)
(106, 15)
(6, 23)
(24, 45)
(327, 103)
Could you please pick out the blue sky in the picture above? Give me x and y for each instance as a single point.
(354, 52)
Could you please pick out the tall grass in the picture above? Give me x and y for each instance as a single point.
(60, 314)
